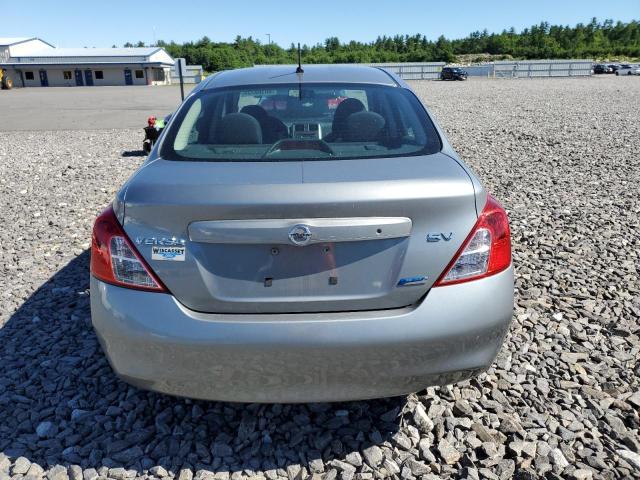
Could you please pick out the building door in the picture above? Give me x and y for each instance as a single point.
(128, 80)
(88, 78)
(44, 81)
(79, 81)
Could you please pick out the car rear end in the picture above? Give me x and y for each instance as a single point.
(368, 264)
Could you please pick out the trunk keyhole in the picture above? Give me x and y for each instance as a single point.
(275, 251)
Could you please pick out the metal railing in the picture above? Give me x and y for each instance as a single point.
(193, 74)
(413, 71)
(502, 69)
(542, 68)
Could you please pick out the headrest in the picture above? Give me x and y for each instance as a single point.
(239, 129)
(256, 111)
(345, 108)
(364, 126)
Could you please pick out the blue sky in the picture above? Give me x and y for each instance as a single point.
(79, 23)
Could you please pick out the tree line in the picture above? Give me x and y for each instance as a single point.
(543, 41)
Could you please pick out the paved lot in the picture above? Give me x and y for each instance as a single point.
(561, 400)
(85, 108)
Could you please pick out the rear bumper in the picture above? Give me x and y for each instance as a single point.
(154, 342)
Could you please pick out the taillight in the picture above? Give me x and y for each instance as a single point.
(485, 252)
(115, 260)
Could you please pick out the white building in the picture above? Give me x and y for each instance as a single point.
(20, 46)
(31, 62)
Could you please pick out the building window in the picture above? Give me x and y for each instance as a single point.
(67, 75)
(99, 75)
(28, 75)
(139, 74)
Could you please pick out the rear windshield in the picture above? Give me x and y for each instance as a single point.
(300, 122)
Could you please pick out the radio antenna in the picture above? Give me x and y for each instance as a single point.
(299, 69)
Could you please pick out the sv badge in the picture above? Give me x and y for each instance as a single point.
(438, 237)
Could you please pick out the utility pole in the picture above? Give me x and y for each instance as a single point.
(181, 64)
(269, 37)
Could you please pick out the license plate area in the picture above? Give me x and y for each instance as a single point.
(287, 273)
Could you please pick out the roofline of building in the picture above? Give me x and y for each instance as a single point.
(152, 51)
(89, 52)
(79, 56)
(26, 40)
(17, 66)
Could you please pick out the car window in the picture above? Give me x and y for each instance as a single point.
(298, 122)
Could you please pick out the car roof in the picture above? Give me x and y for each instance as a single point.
(282, 74)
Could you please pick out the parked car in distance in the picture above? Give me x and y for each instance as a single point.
(601, 68)
(627, 69)
(453, 73)
(317, 251)
(613, 68)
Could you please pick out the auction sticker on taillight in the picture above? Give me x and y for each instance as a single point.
(174, 254)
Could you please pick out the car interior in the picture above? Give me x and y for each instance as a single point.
(285, 121)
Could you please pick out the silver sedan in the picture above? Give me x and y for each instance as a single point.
(296, 237)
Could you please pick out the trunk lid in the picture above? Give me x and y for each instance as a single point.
(265, 237)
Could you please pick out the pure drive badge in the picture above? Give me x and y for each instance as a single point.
(173, 254)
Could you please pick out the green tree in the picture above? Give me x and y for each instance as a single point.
(542, 40)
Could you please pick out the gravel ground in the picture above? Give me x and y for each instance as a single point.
(561, 401)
